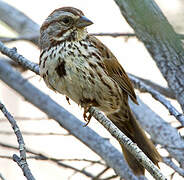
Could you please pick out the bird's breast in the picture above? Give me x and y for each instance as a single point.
(73, 69)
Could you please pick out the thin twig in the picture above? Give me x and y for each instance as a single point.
(159, 97)
(40, 156)
(21, 161)
(114, 34)
(26, 118)
(35, 133)
(36, 37)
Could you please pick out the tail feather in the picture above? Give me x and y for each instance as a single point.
(126, 122)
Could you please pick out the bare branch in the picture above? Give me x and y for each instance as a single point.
(162, 90)
(35, 133)
(26, 118)
(21, 161)
(159, 97)
(39, 156)
(114, 34)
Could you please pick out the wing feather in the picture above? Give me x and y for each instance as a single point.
(115, 70)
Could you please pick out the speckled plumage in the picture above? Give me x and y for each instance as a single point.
(79, 66)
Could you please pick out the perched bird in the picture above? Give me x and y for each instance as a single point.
(82, 68)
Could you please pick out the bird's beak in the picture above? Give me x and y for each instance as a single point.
(83, 22)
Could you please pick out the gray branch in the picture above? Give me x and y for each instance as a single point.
(160, 39)
(21, 161)
(75, 127)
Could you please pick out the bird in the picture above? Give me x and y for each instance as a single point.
(79, 66)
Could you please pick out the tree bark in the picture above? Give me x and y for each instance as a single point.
(160, 39)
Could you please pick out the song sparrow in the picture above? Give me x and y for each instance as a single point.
(78, 65)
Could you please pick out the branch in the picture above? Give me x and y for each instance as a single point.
(34, 133)
(27, 118)
(40, 156)
(159, 97)
(160, 39)
(86, 135)
(21, 161)
(114, 35)
(162, 90)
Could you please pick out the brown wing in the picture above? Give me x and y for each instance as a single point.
(115, 70)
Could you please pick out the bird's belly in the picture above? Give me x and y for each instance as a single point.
(86, 85)
(87, 90)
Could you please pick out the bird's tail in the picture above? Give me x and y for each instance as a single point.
(126, 122)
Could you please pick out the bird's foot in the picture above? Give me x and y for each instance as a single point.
(87, 118)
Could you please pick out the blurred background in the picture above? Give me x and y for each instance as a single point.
(129, 51)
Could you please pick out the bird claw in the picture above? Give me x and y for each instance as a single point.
(87, 118)
(68, 100)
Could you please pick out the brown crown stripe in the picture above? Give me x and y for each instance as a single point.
(72, 10)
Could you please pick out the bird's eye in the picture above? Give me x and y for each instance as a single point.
(66, 20)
